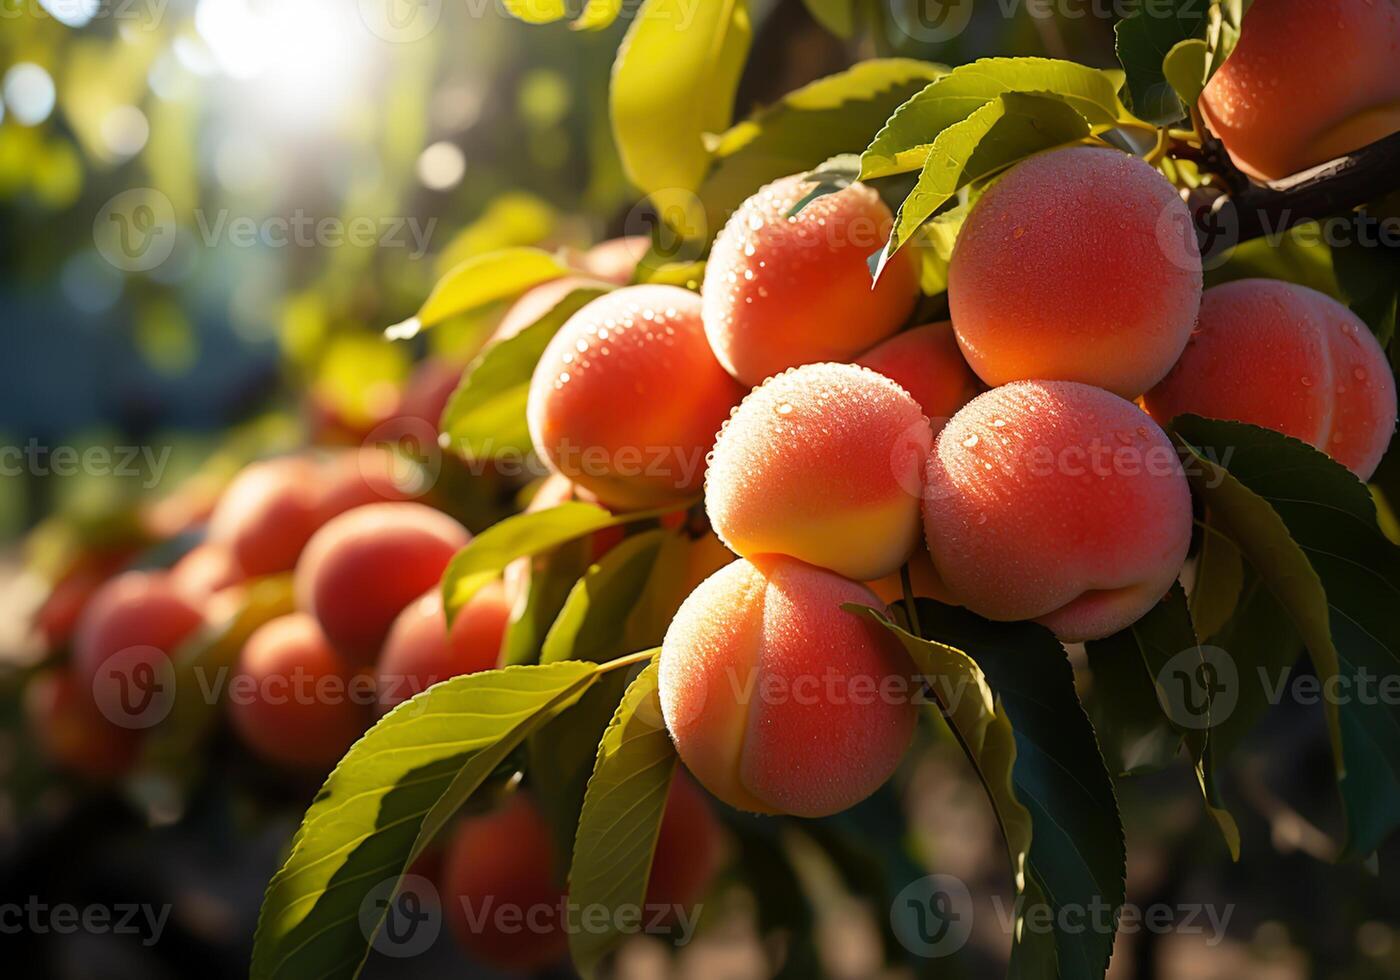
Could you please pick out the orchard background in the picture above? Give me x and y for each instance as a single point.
(330, 324)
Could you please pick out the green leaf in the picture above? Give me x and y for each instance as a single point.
(1007, 691)
(590, 627)
(537, 11)
(830, 116)
(1004, 131)
(837, 16)
(1219, 581)
(547, 583)
(393, 791)
(906, 140)
(485, 417)
(621, 816)
(674, 81)
(1185, 68)
(1368, 273)
(1308, 528)
(522, 535)
(1299, 256)
(1145, 38)
(478, 282)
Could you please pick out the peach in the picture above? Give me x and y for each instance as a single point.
(420, 650)
(501, 888)
(615, 259)
(777, 698)
(138, 618)
(1080, 264)
(205, 569)
(268, 513)
(429, 389)
(58, 616)
(823, 463)
(1058, 502)
(294, 700)
(363, 567)
(536, 302)
(71, 730)
(1288, 358)
(927, 362)
(688, 847)
(627, 398)
(783, 291)
(367, 475)
(1307, 82)
(923, 579)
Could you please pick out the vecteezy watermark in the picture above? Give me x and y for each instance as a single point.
(937, 21)
(144, 463)
(145, 14)
(933, 917)
(136, 230)
(38, 917)
(401, 917)
(135, 687)
(412, 459)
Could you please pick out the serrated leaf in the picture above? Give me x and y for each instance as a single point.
(621, 816)
(1050, 787)
(1308, 528)
(478, 282)
(1004, 131)
(485, 417)
(905, 141)
(672, 83)
(1144, 39)
(393, 791)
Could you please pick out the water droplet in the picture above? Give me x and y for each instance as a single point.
(785, 408)
(1126, 438)
(1305, 381)
(981, 519)
(970, 441)
(1359, 373)
(998, 423)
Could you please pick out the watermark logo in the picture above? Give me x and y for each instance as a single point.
(135, 230)
(932, 917)
(400, 21)
(1199, 687)
(412, 458)
(932, 21)
(401, 917)
(135, 687)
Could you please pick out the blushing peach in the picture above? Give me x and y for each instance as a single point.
(783, 291)
(1307, 82)
(58, 616)
(777, 698)
(294, 700)
(1058, 502)
(138, 618)
(360, 570)
(205, 569)
(927, 362)
(1288, 358)
(1078, 265)
(268, 513)
(421, 651)
(73, 732)
(822, 463)
(689, 848)
(368, 475)
(628, 397)
(505, 863)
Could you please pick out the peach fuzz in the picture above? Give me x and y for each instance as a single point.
(1079, 264)
(295, 701)
(627, 398)
(139, 617)
(1307, 82)
(71, 730)
(420, 650)
(778, 699)
(1057, 502)
(823, 463)
(268, 513)
(362, 568)
(927, 362)
(783, 291)
(1287, 358)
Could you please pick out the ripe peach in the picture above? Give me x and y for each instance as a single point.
(628, 397)
(923, 579)
(362, 568)
(1058, 502)
(779, 700)
(536, 302)
(688, 847)
(615, 259)
(927, 362)
(1307, 82)
(139, 618)
(420, 651)
(368, 475)
(205, 569)
(73, 732)
(1288, 358)
(501, 888)
(1078, 265)
(822, 463)
(782, 291)
(294, 700)
(268, 513)
(58, 616)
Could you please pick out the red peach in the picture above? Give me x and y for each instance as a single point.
(927, 362)
(268, 513)
(421, 651)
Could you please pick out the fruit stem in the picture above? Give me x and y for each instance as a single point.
(910, 609)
